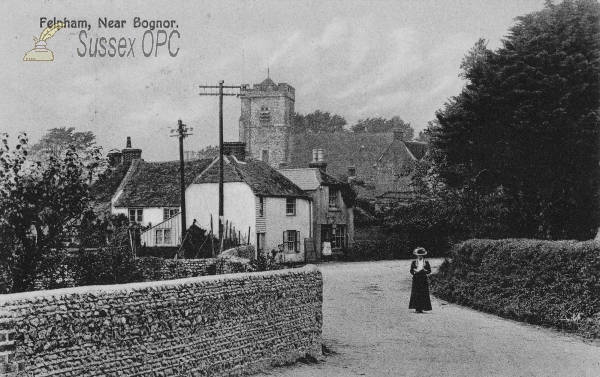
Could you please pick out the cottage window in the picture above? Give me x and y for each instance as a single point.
(261, 206)
(163, 236)
(136, 215)
(291, 241)
(169, 212)
(290, 206)
(333, 197)
(338, 239)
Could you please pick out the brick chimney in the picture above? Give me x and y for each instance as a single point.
(318, 161)
(130, 154)
(236, 149)
(351, 174)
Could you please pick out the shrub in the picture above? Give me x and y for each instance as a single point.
(109, 265)
(553, 283)
(386, 248)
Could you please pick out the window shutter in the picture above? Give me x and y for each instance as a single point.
(298, 241)
(284, 243)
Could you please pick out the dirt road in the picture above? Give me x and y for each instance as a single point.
(369, 327)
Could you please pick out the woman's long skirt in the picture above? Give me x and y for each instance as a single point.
(419, 295)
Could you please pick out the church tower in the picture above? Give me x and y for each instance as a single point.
(266, 121)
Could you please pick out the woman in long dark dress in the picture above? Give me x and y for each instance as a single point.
(419, 269)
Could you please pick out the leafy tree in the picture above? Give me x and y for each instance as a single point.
(376, 125)
(42, 207)
(423, 137)
(59, 140)
(527, 121)
(207, 152)
(318, 122)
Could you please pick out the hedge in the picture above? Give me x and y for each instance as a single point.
(386, 247)
(552, 283)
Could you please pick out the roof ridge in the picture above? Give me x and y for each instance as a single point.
(239, 173)
(409, 152)
(132, 168)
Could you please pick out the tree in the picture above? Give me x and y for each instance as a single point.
(58, 140)
(42, 205)
(527, 121)
(423, 137)
(376, 125)
(318, 122)
(208, 152)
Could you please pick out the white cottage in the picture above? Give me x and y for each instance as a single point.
(265, 207)
(148, 193)
(259, 202)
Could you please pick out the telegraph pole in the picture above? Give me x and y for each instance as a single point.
(220, 93)
(221, 167)
(182, 132)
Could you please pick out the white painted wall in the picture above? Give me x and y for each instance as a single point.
(153, 215)
(202, 200)
(277, 222)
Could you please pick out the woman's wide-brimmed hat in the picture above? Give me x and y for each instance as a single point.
(420, 251)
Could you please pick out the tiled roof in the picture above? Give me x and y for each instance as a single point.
(367, 152)
(156, 184)
(341, 150)
(266, 82)
(262, 178)
(309, 178)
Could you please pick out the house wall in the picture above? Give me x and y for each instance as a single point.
(342, 215)
(277, 222)
(206, 326)
(202, 200)
(151, 215)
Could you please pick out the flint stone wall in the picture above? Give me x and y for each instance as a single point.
(206, 326)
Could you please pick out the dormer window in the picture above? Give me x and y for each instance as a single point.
(265, 114)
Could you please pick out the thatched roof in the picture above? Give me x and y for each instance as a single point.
(105, 187)
(156, 184)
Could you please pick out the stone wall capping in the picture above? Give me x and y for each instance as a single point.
(98, 290)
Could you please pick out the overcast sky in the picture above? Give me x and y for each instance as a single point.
(357, 59)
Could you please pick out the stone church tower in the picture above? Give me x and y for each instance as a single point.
(266, 121)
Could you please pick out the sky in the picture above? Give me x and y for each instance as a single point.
(357, 59)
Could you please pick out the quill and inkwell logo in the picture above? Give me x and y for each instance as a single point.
(41, 53)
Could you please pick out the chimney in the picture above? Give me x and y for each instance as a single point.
(398, 134)
(351, 174)
(318, 161)
(115, 158)
(129, 154)
(236, 149)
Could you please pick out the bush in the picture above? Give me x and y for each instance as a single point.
(109, 265)
(553, 283)
(266, 261)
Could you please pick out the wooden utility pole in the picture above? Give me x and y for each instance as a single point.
(220, 93)
(182, 132)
